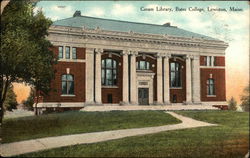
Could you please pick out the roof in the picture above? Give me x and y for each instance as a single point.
(126, 26)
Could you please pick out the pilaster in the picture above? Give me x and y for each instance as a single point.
(133, 80)
(159, 79)
(166, 92)
(188, 80)
(98, 76)
(89, 76)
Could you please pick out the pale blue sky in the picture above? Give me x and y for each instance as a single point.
(231, 27)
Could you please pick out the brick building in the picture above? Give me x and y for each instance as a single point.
(104, 61)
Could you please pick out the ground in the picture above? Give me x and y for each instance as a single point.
(229, 139)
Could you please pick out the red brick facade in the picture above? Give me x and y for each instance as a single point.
(77, 70)
(219, 80)
(179, 92)
(116, 92)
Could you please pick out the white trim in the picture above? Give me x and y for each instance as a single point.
(72, 60)
(214, 103)
(110, 87)
(176, 88)
(211, 95)
(59, 104)
(212, 67)
(68, 95)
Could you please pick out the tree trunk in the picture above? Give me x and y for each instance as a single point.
(37, 99)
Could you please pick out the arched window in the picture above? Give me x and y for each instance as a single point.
(67, 84)
(210, 87)
(109, 72)
(175, 76)
(142, 65)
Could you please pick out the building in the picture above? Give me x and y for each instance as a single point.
(103, 61)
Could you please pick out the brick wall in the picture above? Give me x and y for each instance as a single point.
(115, 92)
(76, 69)
(179, 92)
(219, 78)
(220, 61)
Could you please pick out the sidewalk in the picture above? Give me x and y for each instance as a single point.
(22, 147)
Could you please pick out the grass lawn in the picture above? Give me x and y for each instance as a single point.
(80, 122)
(230, 139)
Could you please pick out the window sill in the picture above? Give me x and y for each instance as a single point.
(175, 87)
(110, 87)
(211, 95)
(68, 95)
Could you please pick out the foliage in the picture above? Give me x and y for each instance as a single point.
(25, 55)
(30, 100)
(10, 102)
(245, 99)
(80, 122)
(232, 103)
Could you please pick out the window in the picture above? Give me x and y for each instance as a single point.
(175, 75)
(67, 84)
(142, 65)
(73, 53)
(67, 52)
(210, 61)
(60, 52)
(210, 87)
(109, 72)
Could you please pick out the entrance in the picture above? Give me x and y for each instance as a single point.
(143, 96)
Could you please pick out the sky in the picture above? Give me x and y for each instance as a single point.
(229, 26)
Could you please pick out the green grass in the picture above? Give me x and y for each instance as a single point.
(229, 139)
(80, 122)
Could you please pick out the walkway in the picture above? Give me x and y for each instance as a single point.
(154, 107)
(16, 148)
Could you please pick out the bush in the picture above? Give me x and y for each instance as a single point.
(245, 99)
(30, 100)
(10, 101)
(232, 104)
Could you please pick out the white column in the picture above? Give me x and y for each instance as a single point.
(125, 76)
(196, 80)
(159, 79)
(188, 80)
(166, 80)
(89, 80)
(133, 79)
(98, 76)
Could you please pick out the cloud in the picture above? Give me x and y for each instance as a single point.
(96, 11)
(119, 9)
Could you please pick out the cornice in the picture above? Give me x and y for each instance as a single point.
(84, 33)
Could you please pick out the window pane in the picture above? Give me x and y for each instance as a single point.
(142, 65)
(71, 87)
(60, 52)
(70, 78)
(114, 64)
(172, 79)
(103, 63)
(64, 87)
(73, 53)
(103, 76)
(108, 63)
(172, 66)
(137, 67)
(214, 61)
(208, 61)
(114, 74)
(147, 66)
(108, 74)
(67, 53)
(64, 77)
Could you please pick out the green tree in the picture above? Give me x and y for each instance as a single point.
(29, 102)
(25, 55)
(10, 101)
(245, 99)
(232, 104)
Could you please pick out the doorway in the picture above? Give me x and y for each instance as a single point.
(143, 97)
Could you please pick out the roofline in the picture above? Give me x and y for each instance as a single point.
(119, 21)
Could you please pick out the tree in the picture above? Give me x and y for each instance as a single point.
(30, 100)
(245, 99)
(232, 104)
(10, 101)
(25, 55)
